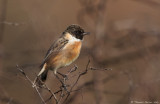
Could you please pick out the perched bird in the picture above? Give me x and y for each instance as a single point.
(63, 51)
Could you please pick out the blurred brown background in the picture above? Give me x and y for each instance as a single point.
(124, 37)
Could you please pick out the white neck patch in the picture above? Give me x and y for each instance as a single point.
(71, 38)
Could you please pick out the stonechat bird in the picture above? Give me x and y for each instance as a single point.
(63, 51)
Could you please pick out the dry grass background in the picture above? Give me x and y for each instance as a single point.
(124, 37)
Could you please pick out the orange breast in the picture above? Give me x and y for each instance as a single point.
(69, 54)
(72, 52)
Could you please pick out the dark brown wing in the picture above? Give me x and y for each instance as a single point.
(55, 48)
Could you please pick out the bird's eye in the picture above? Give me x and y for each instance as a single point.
(77, 32)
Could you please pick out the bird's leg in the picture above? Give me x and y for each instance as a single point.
(63, 83)
(59, 79)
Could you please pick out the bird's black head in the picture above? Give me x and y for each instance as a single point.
(76, 31)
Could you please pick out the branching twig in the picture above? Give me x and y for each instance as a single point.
(21, 70)
(80, 74)
(52, 94)
(66, 88)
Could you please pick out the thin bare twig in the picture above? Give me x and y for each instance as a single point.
(21, 70)
(80, 74)
(65, 89)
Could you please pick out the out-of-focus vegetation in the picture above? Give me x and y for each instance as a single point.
(124, 37)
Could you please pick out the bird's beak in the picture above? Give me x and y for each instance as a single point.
(86, 33)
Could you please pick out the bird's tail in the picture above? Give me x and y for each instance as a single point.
(42, 76)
